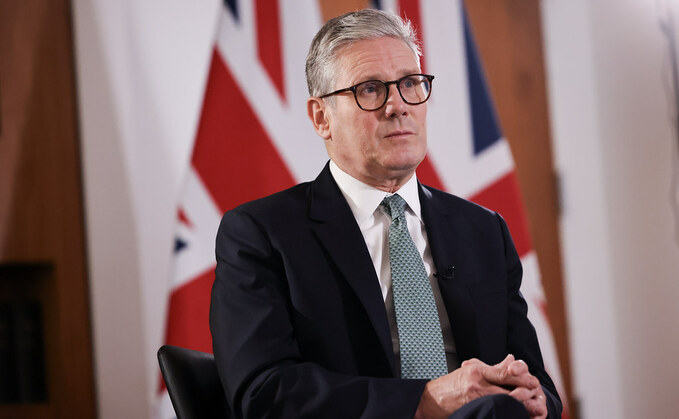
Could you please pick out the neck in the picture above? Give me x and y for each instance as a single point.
(390, 183)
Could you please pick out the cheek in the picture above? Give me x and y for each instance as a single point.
(362, 132)
(421, 117)
(368, 127)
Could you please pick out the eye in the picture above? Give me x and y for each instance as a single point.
(369, 88)
(410, 82)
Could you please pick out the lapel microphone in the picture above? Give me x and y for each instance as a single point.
(448, 273)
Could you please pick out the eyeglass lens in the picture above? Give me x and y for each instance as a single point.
(372, 94)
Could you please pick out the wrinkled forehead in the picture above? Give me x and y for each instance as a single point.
(372, 57)
(371, 45)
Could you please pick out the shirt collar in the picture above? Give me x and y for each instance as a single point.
(364, 199)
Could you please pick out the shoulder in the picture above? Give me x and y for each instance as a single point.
(284, 200)
(254, 224)
(464, 217)
(452, 204)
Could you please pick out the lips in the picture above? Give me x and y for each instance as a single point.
(398, 133)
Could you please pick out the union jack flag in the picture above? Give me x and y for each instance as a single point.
(254, 138)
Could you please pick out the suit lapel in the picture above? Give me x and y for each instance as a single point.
(338, 232)
(443, 233)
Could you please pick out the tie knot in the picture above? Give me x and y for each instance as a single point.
(395, 206)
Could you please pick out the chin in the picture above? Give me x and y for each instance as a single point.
(405, 162)
(401, 169)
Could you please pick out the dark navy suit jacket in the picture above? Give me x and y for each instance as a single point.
(298, 321)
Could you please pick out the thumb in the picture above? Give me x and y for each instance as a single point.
(506, 362)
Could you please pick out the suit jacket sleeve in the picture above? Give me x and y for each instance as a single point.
(521, 337)
(257, 352)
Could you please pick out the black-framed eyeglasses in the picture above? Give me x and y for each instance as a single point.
(373, 94)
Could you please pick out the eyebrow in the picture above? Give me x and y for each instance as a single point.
(374, 77)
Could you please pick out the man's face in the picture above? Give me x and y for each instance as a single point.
(382, 147)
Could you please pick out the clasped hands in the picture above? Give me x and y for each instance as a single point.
(474, 379)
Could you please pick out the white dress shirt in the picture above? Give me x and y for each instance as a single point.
(373, 221)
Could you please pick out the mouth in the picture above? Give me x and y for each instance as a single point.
(400, 133)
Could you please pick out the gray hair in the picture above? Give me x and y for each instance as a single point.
(322, 60)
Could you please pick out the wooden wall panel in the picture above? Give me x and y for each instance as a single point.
(509, 38)
(41, 208)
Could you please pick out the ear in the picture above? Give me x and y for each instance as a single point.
(319, 115)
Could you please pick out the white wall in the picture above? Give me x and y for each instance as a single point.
(141, 69)
(141, 72)
(614, 144)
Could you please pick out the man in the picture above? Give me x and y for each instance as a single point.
(364, 293)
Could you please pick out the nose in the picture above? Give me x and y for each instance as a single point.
(395, 105)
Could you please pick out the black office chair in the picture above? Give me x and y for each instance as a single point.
(192, 382)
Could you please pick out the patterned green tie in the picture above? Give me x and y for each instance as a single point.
(419, 329)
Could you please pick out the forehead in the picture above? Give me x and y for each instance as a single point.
(380, 58)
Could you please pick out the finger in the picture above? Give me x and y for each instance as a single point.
(520, 370)
(472, 361)
(496, 374)
(522, 394)
(502, 376)
(491, 389)
(537, 406)
(518, 367)
(507, 361)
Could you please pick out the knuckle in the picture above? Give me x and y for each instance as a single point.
(470, 362)
(501, 374)
(476, 374)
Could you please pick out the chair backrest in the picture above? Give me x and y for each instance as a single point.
(193, 383)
